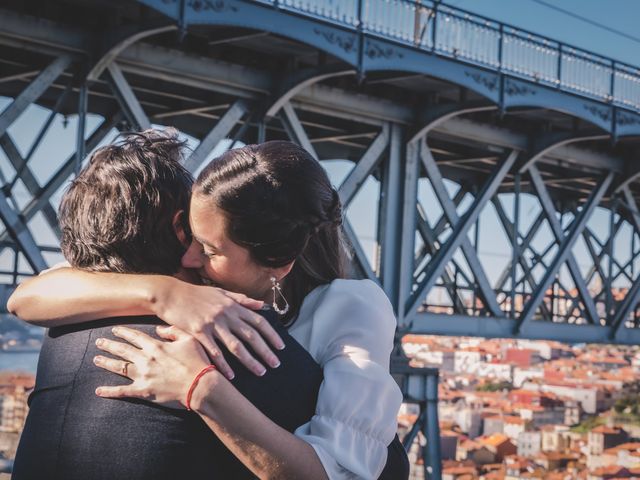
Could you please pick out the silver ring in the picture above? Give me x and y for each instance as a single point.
(125, 369)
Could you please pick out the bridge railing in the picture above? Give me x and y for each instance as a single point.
(443, 30)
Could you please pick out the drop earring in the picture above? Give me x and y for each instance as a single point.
(275, 287)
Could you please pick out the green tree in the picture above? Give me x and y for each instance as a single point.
(627, 404)
(494, 386)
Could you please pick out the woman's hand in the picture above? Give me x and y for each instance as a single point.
(210, 313)
(162, 371)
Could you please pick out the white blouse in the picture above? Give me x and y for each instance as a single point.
(348, 327)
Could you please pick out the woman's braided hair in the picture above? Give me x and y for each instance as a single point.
(281, 206)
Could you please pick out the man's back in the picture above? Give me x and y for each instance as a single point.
(72, 433)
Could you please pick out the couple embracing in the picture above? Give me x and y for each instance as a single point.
(206, 329)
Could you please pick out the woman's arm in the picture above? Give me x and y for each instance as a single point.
(163, 371)
(268, 450)
(68, 296)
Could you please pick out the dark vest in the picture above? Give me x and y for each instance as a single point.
(71, 433)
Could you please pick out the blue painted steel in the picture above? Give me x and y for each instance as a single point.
(491, 327)
(508, 66)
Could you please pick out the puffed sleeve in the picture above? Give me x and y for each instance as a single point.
(355, 420)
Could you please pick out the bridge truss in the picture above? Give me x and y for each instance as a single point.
(449, 118)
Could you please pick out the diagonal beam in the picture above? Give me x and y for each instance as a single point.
(633, 295)
(526, 269)
(38, 139)
(556, 228)
(633, 208)
(622, 269)
(217, 133)
(19, 76)
(625, 308)
(63, 173)
(29, 180)
(298, 134)
(364, 167)
(597, 258)
(127, 99)
(296, 130)
(447, 251)
(526, 240)
(21, 235)
(431, 246)
(33, 91)
(487, 294)
(563, 251)
(360, 257)
(442, 223)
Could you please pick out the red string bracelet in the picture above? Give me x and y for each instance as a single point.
(195, 383)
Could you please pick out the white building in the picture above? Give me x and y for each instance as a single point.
(546, 350)
(499, 371)
(555, 438)
(591, 398)
(514, 426)
(465, 361)
(521, 375)
(466, 415)
(529, 443)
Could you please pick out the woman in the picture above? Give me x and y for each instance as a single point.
(265, 223)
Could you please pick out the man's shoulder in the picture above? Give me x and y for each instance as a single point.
(143, 322)
(68, 350)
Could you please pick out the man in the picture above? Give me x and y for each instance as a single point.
(122, 214)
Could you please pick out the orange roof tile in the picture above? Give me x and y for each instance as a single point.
(494, 439)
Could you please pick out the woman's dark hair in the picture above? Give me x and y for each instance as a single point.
(280, 205)
(117, 214)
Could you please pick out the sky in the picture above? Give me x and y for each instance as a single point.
(531, 15)
(622, 15)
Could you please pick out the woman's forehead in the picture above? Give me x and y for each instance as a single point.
(207, 221)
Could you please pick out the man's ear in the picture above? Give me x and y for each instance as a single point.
(179, 228)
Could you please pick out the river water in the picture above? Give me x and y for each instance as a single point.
(19, 361)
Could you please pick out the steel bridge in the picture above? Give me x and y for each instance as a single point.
(449, 117)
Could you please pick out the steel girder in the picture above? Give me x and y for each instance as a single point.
(24, 173)
(196, 71)
(129, 104)
(219, 132)
(293, 97)
(30, 94)
(556, 228)
(458, 235)
(297, 133)
(564, 252)
(119, 40)
(437, 181)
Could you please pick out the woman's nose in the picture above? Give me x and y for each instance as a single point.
(192, 258)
